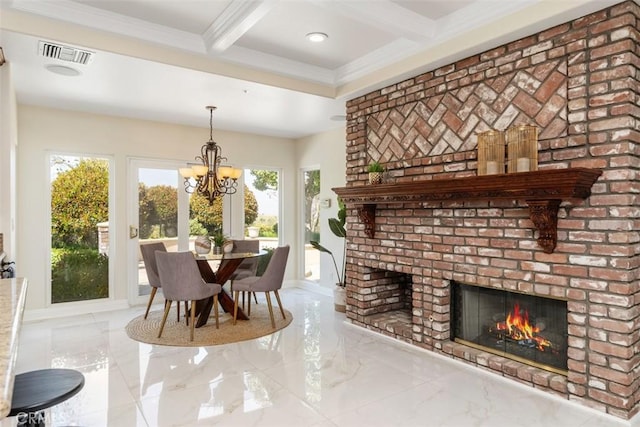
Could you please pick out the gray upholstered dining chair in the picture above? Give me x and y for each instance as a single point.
(270, 281)
(149, 258)
(247, 267)
(181, 281)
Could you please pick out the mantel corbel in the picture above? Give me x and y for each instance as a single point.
(544, 215)
(367, 215)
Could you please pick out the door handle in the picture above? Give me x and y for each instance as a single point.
(133, 231)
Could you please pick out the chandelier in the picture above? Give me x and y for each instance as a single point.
(211, 179)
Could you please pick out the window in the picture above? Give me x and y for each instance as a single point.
(80, 229)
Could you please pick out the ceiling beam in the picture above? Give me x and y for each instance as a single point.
(234, 22)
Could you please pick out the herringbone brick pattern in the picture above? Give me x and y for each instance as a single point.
(446, 123)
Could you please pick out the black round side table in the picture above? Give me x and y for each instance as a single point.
(35, 391)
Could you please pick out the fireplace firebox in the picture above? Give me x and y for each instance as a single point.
(528, 328)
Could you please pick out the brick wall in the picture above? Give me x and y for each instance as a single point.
(579, 83)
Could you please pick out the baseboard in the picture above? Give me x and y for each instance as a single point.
(87, 307)
(74, 309)
(314, 287)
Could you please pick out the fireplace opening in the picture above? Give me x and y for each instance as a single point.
(528, 328)
(390, 301)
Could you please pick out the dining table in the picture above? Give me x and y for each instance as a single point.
(228, 263)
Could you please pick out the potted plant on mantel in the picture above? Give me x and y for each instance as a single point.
(337, 228)
(376, 171)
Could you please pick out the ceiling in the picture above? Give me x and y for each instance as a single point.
(165, 60)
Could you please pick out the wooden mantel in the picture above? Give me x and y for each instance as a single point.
(542, 190)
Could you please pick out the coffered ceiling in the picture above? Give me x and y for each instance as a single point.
(166, 60)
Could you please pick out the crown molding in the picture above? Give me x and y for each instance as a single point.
(402, 48)
(79, 14)
(386, 16)
(279, 65)
(476, 15)
(382, 57)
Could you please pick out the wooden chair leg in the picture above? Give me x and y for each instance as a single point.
(249, 305)
(273, 322)
(193, 317)
(167, 307)
(178, 314)
(243, 292)
(215, 309)
(153, 294)
(236, 295)
(279, 303)
(255, 297)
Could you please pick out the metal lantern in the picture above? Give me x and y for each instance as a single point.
(491, 151)
(522, 148)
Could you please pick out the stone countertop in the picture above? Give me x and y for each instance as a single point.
(13, 293)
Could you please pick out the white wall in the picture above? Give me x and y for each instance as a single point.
(8, 141)
(42, 130)
(328, 152)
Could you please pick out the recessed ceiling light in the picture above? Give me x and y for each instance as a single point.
(63, 70)
(317, 37)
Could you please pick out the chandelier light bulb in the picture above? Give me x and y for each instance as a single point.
(186, 172)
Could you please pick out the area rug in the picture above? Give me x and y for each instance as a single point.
(177, 333)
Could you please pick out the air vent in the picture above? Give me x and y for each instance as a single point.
(65, 53)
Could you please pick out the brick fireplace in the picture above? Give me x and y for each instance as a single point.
(579, 83)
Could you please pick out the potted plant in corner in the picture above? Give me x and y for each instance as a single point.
(375, 173)
(337, 228)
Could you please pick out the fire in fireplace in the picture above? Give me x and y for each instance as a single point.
(518, 328)
(528, 328)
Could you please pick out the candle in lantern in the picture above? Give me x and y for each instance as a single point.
(492, 168)
(522, 164)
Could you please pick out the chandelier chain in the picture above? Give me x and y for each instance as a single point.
(211, 122)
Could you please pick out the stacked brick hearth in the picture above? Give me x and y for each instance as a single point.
(580, 84)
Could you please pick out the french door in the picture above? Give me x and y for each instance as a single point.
(262, 206)
(158, 212)
(310, 190)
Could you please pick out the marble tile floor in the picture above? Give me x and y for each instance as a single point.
(319, 371)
